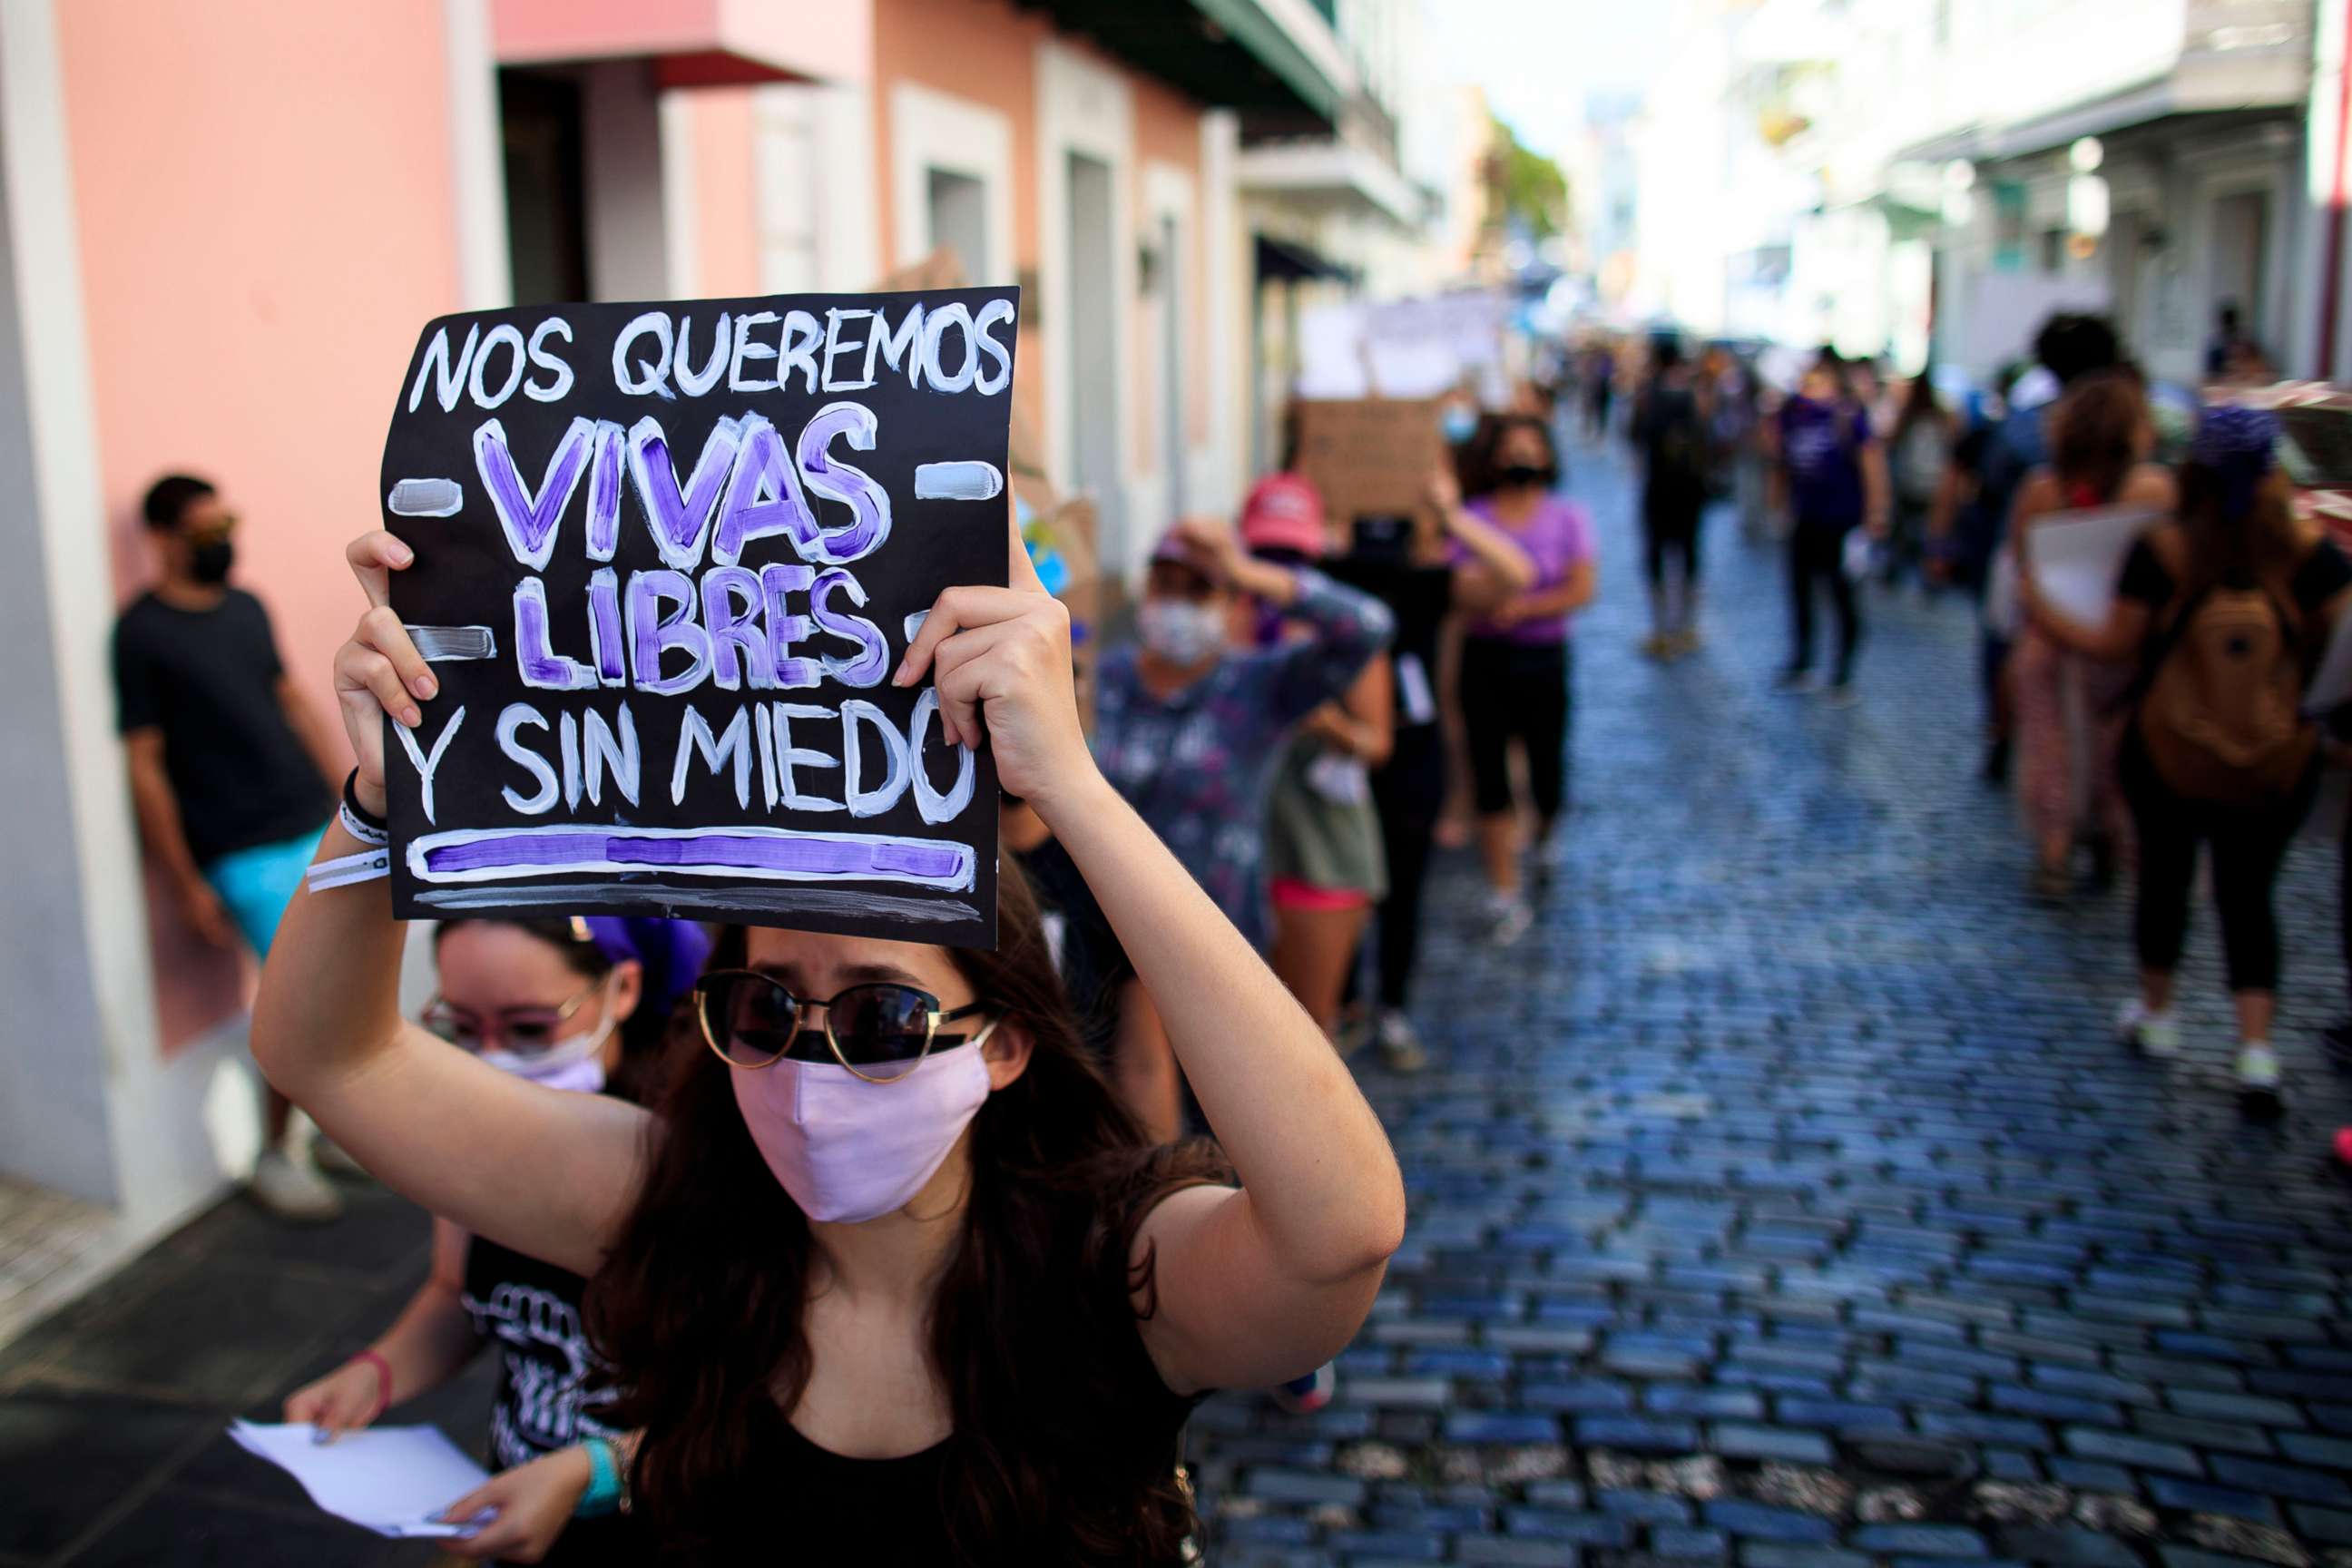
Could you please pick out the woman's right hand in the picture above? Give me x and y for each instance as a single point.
(345, 1400)
(379, 670)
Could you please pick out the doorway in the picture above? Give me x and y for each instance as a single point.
(2241, 259)
(1172, 363)
(547, 195)
(958, 207)
(1092, 331)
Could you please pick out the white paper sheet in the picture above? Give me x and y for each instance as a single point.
(395, 1481)
(2076, 557)
(2331, 684)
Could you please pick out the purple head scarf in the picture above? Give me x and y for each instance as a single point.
(671, 953)
(2240, 446)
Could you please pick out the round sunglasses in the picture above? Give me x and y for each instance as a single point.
(879, 1030)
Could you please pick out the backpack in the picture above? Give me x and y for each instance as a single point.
(1677, 440)
(1919, 462)
(2222, 715)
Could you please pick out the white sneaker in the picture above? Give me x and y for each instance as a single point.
(294, 1190)
(1507, 918)
(2258, 1079)
(2156, 1035)
(1400, 1044)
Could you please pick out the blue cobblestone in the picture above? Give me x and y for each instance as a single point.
(1941, 1541)
(1763, 1521)
(1683, 1542)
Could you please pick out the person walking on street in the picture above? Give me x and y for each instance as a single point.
(2226, 609)
(582, 1007)
(1189, 728)
(1672, 428)
(1833, 474)
(1516, 674)
(1412, 573)
(1920, 449)
(2100, 438)
(228, 768)
(889, 1275)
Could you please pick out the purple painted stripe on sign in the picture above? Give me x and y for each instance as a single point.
(786, 856)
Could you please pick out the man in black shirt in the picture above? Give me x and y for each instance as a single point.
(228, 765)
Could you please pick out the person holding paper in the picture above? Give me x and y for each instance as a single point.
(888, 1275)
(2226, 610)
(568, 1004)
(2100, 437)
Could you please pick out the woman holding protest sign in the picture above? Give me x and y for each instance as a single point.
(892, 1278)
(570, 1004)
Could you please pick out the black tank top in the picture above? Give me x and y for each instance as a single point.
(529, 1311)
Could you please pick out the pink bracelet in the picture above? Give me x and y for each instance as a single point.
(383, 1380)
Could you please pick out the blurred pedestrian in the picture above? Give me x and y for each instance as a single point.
(573, 1004)
(1189, 728)
(1919, 448)
(229, 764)
(2069, 728)
(1833, 474)
(2226, 610)
(1116, 1020)
(1599, 387)
(1671, 428)
(895, 1279)
(1412, 572)
(2068, 347)
(2228, 348)
(1323, 861)
(1516, 682)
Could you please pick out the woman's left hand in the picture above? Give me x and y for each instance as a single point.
(1001, 660)
(531, 1504)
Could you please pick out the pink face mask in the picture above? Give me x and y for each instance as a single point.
(849, 1151)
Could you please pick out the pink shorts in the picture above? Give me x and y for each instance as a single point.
(1292, 894)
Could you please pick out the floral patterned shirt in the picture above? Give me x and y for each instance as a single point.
(1198, 766)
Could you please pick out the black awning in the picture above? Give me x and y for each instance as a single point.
(1279, 261)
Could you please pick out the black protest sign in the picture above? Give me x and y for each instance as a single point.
(668, 559)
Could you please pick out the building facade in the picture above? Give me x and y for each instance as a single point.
(205, 276)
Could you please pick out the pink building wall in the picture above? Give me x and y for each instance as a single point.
(264, 196)
(726, 191)
(1167, 131)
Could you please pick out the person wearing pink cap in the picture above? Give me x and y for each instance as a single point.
(1325, 865)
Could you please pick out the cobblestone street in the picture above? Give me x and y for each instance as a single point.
(1781, 1197)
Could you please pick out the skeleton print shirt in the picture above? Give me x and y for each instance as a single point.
(530, 1311)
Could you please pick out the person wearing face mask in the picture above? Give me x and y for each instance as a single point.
(577, 1006)
(228, 765)
(1514, 683)
(1191, 728)
(888, 1275)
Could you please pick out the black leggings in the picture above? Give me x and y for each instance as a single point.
(1408, 792)
(2248, 840)
(1817, 554)
(1670, 527)
(1516, 691)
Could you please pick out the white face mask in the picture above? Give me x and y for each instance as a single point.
(849, 1151)
(574, 1063)
(1181, 630)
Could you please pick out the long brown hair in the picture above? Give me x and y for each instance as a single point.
(2095, 429)
(2252, 544)
(700, 1308)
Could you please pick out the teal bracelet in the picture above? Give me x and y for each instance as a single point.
(604, 1493)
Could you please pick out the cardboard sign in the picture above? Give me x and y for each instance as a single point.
(667, 557)
(1369, 458)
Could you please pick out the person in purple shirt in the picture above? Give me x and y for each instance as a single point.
(1831, 472)
(1515, 658)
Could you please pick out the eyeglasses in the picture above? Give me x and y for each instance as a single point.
(522, 1030)
(880, 1031)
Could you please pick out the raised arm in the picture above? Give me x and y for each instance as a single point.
(548, 1174)
(1494, 567)
(1253, 1285)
